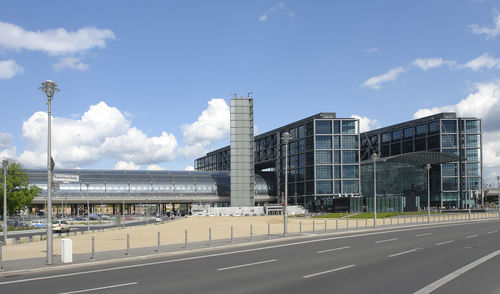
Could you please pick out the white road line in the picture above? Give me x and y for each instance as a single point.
(401, 253)
(100, 288)
(473, 236)
(420, 235)
(227, 253)
(433, 286)
(445, 242)
(329, 271)
(387, 240)
(334, 249)
(492, 232)
(244, 265)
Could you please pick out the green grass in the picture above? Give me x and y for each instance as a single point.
(370, 214)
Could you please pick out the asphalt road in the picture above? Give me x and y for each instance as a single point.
(445, 258)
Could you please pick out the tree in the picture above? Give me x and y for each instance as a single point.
(19, 194)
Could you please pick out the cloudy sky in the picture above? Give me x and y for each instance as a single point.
(146, 84)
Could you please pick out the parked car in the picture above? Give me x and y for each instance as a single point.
(60, 226)
(38, 224)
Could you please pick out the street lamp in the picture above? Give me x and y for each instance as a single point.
(88, 209)
(374, 158)
(498, 193)
(285, 137)
(428, 168)
(5, 165)
(49, 88)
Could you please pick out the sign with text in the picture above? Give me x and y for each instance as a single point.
(66, 178)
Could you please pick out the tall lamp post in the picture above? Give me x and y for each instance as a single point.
(285, 137)
(428, 168)
(88, 208)
(374, 158)
(49, 88)
(5, 165)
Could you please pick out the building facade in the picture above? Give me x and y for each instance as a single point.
(323, 160)
(452, 183)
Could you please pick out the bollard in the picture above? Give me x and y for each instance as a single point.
(92, 258)
(391, 221)
(366, 223)
(347, 224)
(398, 220)
(325, 225)
(251, 231)
(185, 239)
(383, 222)
(336, 224)
(357, 226)
(1, 264)
(313, 227)
(268, 231)
(128, 244)
(300, 227)
(158, 247)
(231, 234)
(209, 237)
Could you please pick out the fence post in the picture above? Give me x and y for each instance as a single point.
(268, 231)
(366, 223)
(347, 224)
(313, 227)
(325, 225)
(92, 257)
(1, 264)
(232, 235)
(185, 239)
(209, 237)
(251, 232)
(336, 224)
(300, 227)
(128, 243)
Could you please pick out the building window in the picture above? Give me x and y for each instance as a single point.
(448, 126)
(450, 184)
(302, 131)
(336, 156)
(408, 132)
(473, 184)
(348, 127)
(336, 172)
(434, 127)
(323, 157)
(449, 141)
(337, 187)
(449, 170)
(407, 146)
(336, 142)
(472, 126)
(336, 126)
(324, 172)
(396, 135)
(309, 129)
(309, 158)
(323, 187)
(349, 156)
(472, 141)
(472, 154)
(323, 142)
(323, 127)
(301, 146)
(421, 129)
(349, 142)
(473, 169)
(351, 186)
(386, 137)
(420, 144)
(350, 171)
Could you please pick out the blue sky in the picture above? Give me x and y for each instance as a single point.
(145, 84)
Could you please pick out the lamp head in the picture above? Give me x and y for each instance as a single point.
(286, 137)
(374, 156)
(49, 88)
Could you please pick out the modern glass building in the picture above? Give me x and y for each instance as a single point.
(452, 180)
(135, 187)
(323, 160)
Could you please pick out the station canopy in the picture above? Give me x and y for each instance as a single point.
(423, 158)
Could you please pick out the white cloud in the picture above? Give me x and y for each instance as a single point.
(483, 61)
(489, 31)
(155, 167)
(212, 124)
(126, 165)
(6, 140)
(391, 75)
(9, 68)
(484, 103)
(70, 62)
(102, 132)
(279, 7)
(428, 63)
(372, 50)
(53, 41)
(366, 124)
(189, 167)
